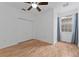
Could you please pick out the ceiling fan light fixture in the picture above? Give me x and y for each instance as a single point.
(34, 5)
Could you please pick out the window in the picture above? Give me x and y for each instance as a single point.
(66, 24)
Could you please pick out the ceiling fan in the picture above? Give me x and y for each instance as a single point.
(35, 5)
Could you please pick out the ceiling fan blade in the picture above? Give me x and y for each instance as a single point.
(29, 8)
(28, 2)
(43, 3)
(38, 9)
(23, 9)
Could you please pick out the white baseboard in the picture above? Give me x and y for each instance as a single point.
(44, 40)
(12, 43)
(8, 45)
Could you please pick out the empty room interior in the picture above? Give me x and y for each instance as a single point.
(39, 29)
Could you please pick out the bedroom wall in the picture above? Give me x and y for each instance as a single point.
(43, 26)
(14, 26)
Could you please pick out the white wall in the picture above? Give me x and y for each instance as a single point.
(13, 29)
(43, 26)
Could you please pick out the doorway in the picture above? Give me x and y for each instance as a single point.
(67, 30)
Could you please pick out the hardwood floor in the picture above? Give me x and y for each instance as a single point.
(35, 48)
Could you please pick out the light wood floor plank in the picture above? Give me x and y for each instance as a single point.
(37, 48)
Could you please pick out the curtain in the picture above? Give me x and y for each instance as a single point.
(75, 32)
(58, 29)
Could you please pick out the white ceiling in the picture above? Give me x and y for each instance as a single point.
(34, 12)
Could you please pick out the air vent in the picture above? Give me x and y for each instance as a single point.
(66, 4)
